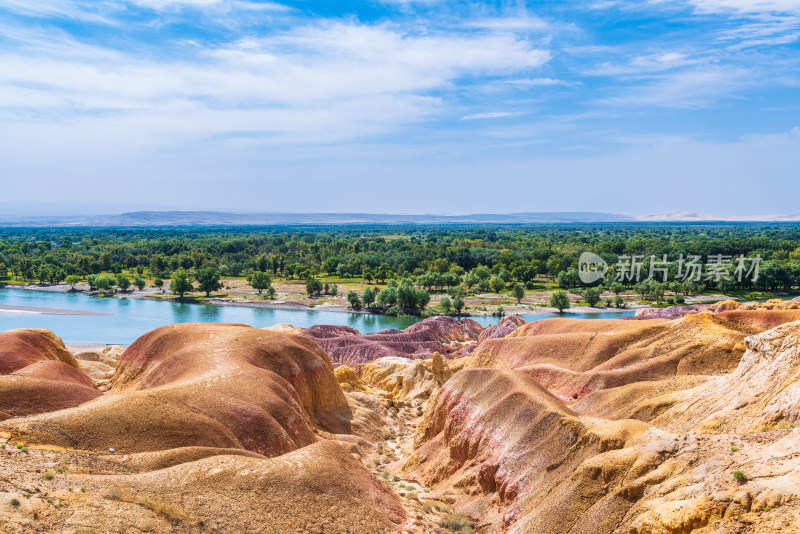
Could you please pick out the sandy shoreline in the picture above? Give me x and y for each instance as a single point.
(155, 294)
(44, 311)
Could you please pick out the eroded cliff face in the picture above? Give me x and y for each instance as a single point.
(517, 450)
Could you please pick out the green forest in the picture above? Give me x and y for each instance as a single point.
(431, 258)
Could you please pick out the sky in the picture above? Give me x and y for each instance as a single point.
(394, 106)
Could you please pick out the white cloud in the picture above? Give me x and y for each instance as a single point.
(488, 115)
(535, 82)
(75, 9)
(226, 4)
(523, 22)
(687, 89)
(315, 83)
(747, 6)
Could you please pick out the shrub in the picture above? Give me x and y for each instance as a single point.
(49, 475)
(670, 300)
(680, 299)
(734, 449)
(457, 523)
(15, 502)
(740, 477)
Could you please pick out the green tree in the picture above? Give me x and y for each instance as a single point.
(123, 282)
(368, 275)
(71, 280)
(657, 291)
(387, 297)
(208, 280)
(368, 296)
(180, 282)
(458, 304)
(333, 289)
(616, 288)
(591, 295)
(423, 298)
(139, 282)
(519, 292)
(158, 282)
(352, 298)
(406, 295)
(471, 279)
(260, 280)
(102, 283)
(446, 304)
(313, 286)
(559, 300)
(497, 284)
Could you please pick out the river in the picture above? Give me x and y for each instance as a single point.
(76, 317)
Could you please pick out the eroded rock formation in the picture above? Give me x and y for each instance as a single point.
(348, 346)
(38, 374)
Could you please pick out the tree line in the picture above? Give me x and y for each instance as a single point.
(433, 259)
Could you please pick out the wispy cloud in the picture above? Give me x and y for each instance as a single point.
(488, 115)
(747, 6)
(330, 82)
(685, 89)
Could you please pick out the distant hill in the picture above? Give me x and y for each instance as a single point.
(210, 218)
(213, 218)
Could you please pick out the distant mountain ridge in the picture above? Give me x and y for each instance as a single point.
(213, 218)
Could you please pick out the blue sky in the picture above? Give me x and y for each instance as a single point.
(390, 106)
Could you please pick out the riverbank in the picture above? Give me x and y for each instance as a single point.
(5, 308)
(155, 294)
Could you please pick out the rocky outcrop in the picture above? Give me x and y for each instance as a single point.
(228, 386)
(763, 391)
(347, 346)
(403, 379)
(506, 325)
(670, 312)
(675, 312)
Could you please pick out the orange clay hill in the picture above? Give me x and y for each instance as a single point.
(38, 374)
(671, 422)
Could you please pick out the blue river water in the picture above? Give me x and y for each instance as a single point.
(123, 320)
